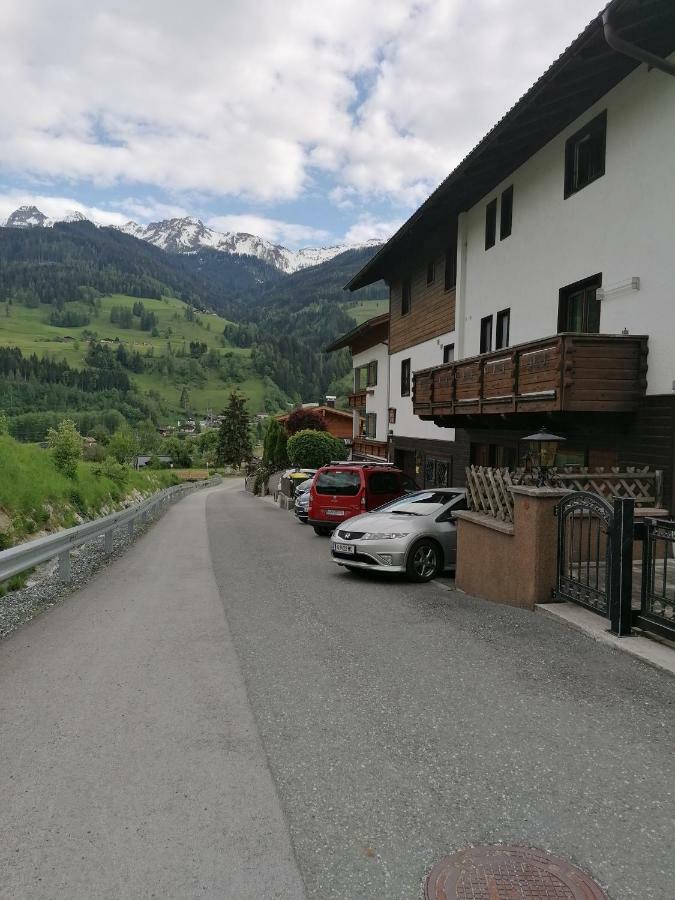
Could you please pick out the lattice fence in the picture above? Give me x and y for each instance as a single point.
(488, 492)
(645, 486)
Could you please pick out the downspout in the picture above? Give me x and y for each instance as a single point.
(617, 43)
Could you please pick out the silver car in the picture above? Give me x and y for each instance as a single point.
(415, 534)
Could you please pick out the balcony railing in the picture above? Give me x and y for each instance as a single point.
(566, 372)
(363, 446)
(357, 400)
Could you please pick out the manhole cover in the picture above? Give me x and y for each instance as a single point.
(508, 873)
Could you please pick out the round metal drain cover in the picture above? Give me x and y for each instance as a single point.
(508, 873)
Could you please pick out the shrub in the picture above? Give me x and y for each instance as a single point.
(65, 443)
(115, 471)
(313, 449)
(4, 424)
(304, 420)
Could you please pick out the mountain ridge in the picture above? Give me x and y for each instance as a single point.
(188, 234)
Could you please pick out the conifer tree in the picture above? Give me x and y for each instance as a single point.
(234, 439)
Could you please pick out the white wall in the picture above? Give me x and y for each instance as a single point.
(422, 356)
(377, 396)
(621, 225)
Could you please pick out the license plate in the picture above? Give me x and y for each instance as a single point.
(343, 548)
(335, 512)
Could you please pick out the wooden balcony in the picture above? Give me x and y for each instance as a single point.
(565, 373)
(357, 400)
(367, 447)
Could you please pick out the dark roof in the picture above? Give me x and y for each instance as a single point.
(361, 331)
(581, 75)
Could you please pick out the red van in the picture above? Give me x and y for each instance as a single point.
(342, 490)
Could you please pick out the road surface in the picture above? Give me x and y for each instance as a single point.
(224, 713)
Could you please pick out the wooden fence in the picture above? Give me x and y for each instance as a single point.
(488, 491)
(645, 486)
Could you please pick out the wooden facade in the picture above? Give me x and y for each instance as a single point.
(366, 448)
(357, 400)
(563, 373)
(432, 308)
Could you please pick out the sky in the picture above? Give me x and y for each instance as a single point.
(307, 122)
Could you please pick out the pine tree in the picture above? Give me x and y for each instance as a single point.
(234, 439)
(184, 398)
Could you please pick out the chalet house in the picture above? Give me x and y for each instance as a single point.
(338, 422)
(554, 244)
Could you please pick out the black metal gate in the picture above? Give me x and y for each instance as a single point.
(657, 595)
(595, 556)
(584, 550)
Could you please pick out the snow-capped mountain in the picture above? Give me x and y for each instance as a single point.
(32, 217)
(28, 217)
(189, 235)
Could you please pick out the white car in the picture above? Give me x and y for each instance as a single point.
(415, 534)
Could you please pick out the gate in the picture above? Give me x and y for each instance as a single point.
(657, 595)
(584, 550)
(595, 556)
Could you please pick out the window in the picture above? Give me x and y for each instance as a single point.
(345, 484)
(405, 378)
(449, 353)
(579, 307)
(384, 483)
(486, 334)
(405, 297)
(585, 155)
(451, 265)
(506, 213)
(360, 379)
(431, 272)
(371, 425)
(490, 224)
(372, 373)
(503, 322)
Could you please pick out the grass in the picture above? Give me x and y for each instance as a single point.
(34, 496)
(366, 309)
(29, 330)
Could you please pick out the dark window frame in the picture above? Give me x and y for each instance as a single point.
(506, 213)
(484, 322)
(594, 134)
(371, 432)
(450, 274)
(431, 272)
(406, 296)
(406, 377)
(371, 378)
(504, 315)
(491, 224)
(446, 352)
(592, 306)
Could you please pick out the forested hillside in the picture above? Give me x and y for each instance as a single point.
(88, 325)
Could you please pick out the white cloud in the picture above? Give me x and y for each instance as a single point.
(368, 227)
(264, 100)
(274, 230)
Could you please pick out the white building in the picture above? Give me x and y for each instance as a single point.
(557, 232)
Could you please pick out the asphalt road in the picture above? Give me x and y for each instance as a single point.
(191, 725)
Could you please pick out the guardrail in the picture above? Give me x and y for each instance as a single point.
(32, 553)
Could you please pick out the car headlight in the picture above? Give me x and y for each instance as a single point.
(377, 536)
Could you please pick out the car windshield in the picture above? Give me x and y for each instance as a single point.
(346, 484)
(303, 486)
(423, 503)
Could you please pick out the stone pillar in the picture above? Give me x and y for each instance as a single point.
(535, 529)
(512, 564)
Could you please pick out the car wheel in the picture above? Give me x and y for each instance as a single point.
(425, 561)
(323, 530)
